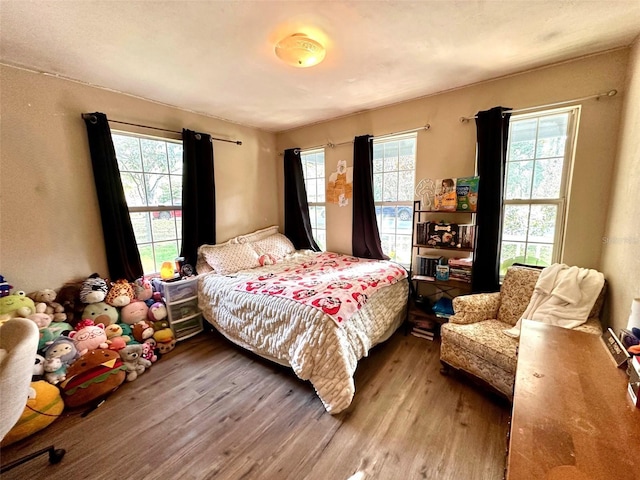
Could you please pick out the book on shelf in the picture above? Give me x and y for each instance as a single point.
(426, 265)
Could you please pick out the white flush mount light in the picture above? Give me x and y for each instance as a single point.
(300, 50)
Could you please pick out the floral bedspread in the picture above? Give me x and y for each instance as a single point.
(338, 285)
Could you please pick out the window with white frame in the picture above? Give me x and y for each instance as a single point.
(151, 175)
(539, 155)
(314, 181)
(394, 165)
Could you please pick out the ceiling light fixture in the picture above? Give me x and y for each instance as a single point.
(300, 50)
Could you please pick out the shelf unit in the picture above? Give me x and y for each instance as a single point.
(438, 288)
(181, 299)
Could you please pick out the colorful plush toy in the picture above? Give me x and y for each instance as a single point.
(115, 330)
(53, 308)
(43, 406)
(143, 289)
(91, 377)
(69, 298)
(148, 353)
(53, 331)
(120, 294)
(134, 362)
(101, 312)
(5, 288)
(42, 319)
(142, 330)
(166, 347)
(157, 312)
(94, 289)
(134, 312)
(17, 305)
(57, 358)
(88, 336)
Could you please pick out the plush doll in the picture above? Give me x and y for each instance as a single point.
(120, 294)
(142, 330)
(134, 363)
(38, 366)
(143, 289)
(53, 331)
(164, 335)
(166, 347)
(134, 312)
(91, 377)
(42, 319)
(88, 336)
(101, 312)
(116, 343)
(115, 330)
(43, 406)
(69, 298)
(148, 353)
(17, 305)
(53, 308)
(5, 288)
(57, 358)
(157, 312)
(94, 289)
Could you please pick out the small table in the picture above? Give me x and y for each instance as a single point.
(572, 417)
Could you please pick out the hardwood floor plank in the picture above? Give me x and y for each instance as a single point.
(209, 410)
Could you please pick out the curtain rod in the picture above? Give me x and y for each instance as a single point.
(333, 145)
(92, 118)
(597, 96)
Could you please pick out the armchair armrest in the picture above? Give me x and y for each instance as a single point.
(475, 308)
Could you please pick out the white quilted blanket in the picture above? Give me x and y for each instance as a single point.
(315, 347)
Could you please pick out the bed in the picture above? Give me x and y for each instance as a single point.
(316, 312)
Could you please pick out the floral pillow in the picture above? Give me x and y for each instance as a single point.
(257, 235)
(277, 246)
(229, 258)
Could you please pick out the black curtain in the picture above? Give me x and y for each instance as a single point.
(123, 258)
(492, 130)
(198, 194)
(365, 237)
(297, 225)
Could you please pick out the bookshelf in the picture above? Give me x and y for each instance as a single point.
(443, 249)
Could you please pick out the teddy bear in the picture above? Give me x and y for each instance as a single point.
(53, 308)
(88, 336)
(42, 319)
(57, 358)
(148, 353)
(135, 364)
(143, 289)
(69, 298)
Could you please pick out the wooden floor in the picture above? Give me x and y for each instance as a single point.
(210, 410)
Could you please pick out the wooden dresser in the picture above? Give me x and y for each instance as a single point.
(572, 417)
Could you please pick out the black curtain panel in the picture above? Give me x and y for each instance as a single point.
(492, 130)
(297, 225)
(198, 194)
(123, 258)
(365, 237)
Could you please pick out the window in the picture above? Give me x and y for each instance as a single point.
(394, 164)
(539, 154)
(313, 171)
(151, 174)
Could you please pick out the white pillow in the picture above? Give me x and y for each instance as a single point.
(201, 263)
(276, 245)
(230, 258)
(257, 235)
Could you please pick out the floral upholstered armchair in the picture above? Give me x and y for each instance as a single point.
(473, 340)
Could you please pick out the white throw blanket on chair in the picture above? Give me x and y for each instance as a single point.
(563, 296)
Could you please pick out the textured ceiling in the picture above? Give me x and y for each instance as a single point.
(217, 57)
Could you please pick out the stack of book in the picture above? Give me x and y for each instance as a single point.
(426, 265)
(425, 328)
(460, 269)
(421, 233)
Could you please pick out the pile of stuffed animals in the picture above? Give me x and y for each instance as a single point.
(94, 334)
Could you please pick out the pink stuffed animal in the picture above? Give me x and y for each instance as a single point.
(89, 336)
